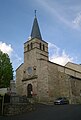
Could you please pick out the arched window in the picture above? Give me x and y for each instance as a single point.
(40, 46)
(31, 45)
(28, 47)
(43, 47)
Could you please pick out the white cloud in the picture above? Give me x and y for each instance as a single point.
(5, 48)
(15, 59)
(77, 21)
(64, 12)
(58, 56)
(55, 10)
(53, 49)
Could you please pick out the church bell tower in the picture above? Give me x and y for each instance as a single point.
(30, 73)
(35, 48)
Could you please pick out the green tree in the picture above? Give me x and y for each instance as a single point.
(6, 70)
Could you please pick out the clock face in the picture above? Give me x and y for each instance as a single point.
(29, 69)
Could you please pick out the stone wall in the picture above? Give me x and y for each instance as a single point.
(53, 81)
(42, 81)
(75, 90)
(17, 108)
(48, 80)
(19, 77)
(61, 84)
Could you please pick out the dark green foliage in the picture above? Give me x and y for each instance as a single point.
(6, 70)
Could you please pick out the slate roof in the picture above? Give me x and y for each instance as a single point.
(35, 33)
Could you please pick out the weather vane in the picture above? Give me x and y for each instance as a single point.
(35, 12)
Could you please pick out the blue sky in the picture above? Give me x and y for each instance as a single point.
(59, 22)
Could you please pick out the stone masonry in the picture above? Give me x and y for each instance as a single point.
(43, 80)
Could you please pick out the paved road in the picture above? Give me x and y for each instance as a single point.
(50, 112)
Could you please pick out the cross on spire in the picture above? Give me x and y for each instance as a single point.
(35, 12)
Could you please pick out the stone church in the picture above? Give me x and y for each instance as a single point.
(42, 79)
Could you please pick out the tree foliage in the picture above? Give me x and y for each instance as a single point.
(6, 70)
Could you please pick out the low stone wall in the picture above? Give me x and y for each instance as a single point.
(17, 108)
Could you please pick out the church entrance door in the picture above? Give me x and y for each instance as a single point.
(29, 90)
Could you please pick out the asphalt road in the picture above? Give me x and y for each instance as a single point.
(50, 112)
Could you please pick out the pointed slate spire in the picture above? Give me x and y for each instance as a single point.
(35, 33)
